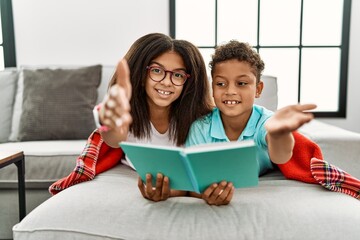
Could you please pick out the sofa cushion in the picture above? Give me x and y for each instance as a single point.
(45, 162)
(107, 73)
(57, 103)
(269, 95)
(276, 209)
(8, 80)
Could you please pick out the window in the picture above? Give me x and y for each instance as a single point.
(304, 43)
(7, 42)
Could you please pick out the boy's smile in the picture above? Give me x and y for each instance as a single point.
(231, 102)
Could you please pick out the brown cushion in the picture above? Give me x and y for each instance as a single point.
(58, 103)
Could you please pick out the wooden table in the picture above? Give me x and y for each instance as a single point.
(18, 158)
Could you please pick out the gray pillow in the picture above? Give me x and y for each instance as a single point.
(8, 80)
(57, 103)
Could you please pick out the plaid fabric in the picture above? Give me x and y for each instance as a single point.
(96, 157)
(335, 179)
(306, 165)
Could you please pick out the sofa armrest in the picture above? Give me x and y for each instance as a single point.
(339, 146)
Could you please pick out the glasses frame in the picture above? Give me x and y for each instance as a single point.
(166, 71)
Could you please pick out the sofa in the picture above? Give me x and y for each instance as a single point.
(49, 158)
(111, 207)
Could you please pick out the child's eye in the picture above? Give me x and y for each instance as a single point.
(156, 70)
(220, 84)
(179, 75)
(242, 83)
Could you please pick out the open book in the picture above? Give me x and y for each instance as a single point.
(196, 168)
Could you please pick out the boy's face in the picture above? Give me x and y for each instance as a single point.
(234, 88)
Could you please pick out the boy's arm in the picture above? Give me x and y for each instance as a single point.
(280, 127)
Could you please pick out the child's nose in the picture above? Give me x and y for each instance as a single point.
(167, 80)
(231, 90)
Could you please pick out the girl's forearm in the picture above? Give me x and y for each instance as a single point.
(112, 138)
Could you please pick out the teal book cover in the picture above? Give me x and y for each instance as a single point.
(195, 168)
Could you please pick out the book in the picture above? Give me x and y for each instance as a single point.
(195, 168)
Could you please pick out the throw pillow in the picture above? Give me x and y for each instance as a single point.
(8, 80)
(57, 103)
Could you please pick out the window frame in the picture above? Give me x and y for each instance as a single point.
(344, 48)
(7, 27)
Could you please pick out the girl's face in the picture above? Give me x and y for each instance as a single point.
(234, 88)
(163, 93)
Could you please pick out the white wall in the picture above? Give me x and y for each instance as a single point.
(101, 31)
(83, 31)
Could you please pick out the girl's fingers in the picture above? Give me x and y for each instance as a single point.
(123, 77)
(165, 191)
(159, 185)
(141, 187)
(149, 188)
(116, 109)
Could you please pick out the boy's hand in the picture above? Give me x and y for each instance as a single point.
(289, 119)
(219, 194)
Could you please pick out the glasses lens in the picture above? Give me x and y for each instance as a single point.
(156, 73)
(178, 78)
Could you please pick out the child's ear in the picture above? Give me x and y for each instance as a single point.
(259, 88)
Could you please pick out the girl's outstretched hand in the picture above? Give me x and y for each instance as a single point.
(114, 113)
(219, 194)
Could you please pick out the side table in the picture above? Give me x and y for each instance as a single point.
(18, 158)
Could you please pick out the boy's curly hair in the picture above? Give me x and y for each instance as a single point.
(240, 51)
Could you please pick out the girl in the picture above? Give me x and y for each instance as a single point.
(154, 97)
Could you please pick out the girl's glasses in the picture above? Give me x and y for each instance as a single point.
(157, 74)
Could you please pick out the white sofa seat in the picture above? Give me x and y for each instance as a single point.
(111, 207)
(45, 162)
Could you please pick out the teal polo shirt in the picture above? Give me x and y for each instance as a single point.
(210, 129)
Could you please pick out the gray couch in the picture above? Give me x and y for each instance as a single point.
(111, 207)
(45, 160)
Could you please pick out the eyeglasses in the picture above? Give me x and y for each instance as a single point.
(157, 74)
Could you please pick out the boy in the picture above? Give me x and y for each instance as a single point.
(236, 71)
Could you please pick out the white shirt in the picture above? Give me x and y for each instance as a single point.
(156, 138)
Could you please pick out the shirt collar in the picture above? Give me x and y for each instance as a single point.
(217, 128)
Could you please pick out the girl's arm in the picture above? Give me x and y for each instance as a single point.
(280, 127)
